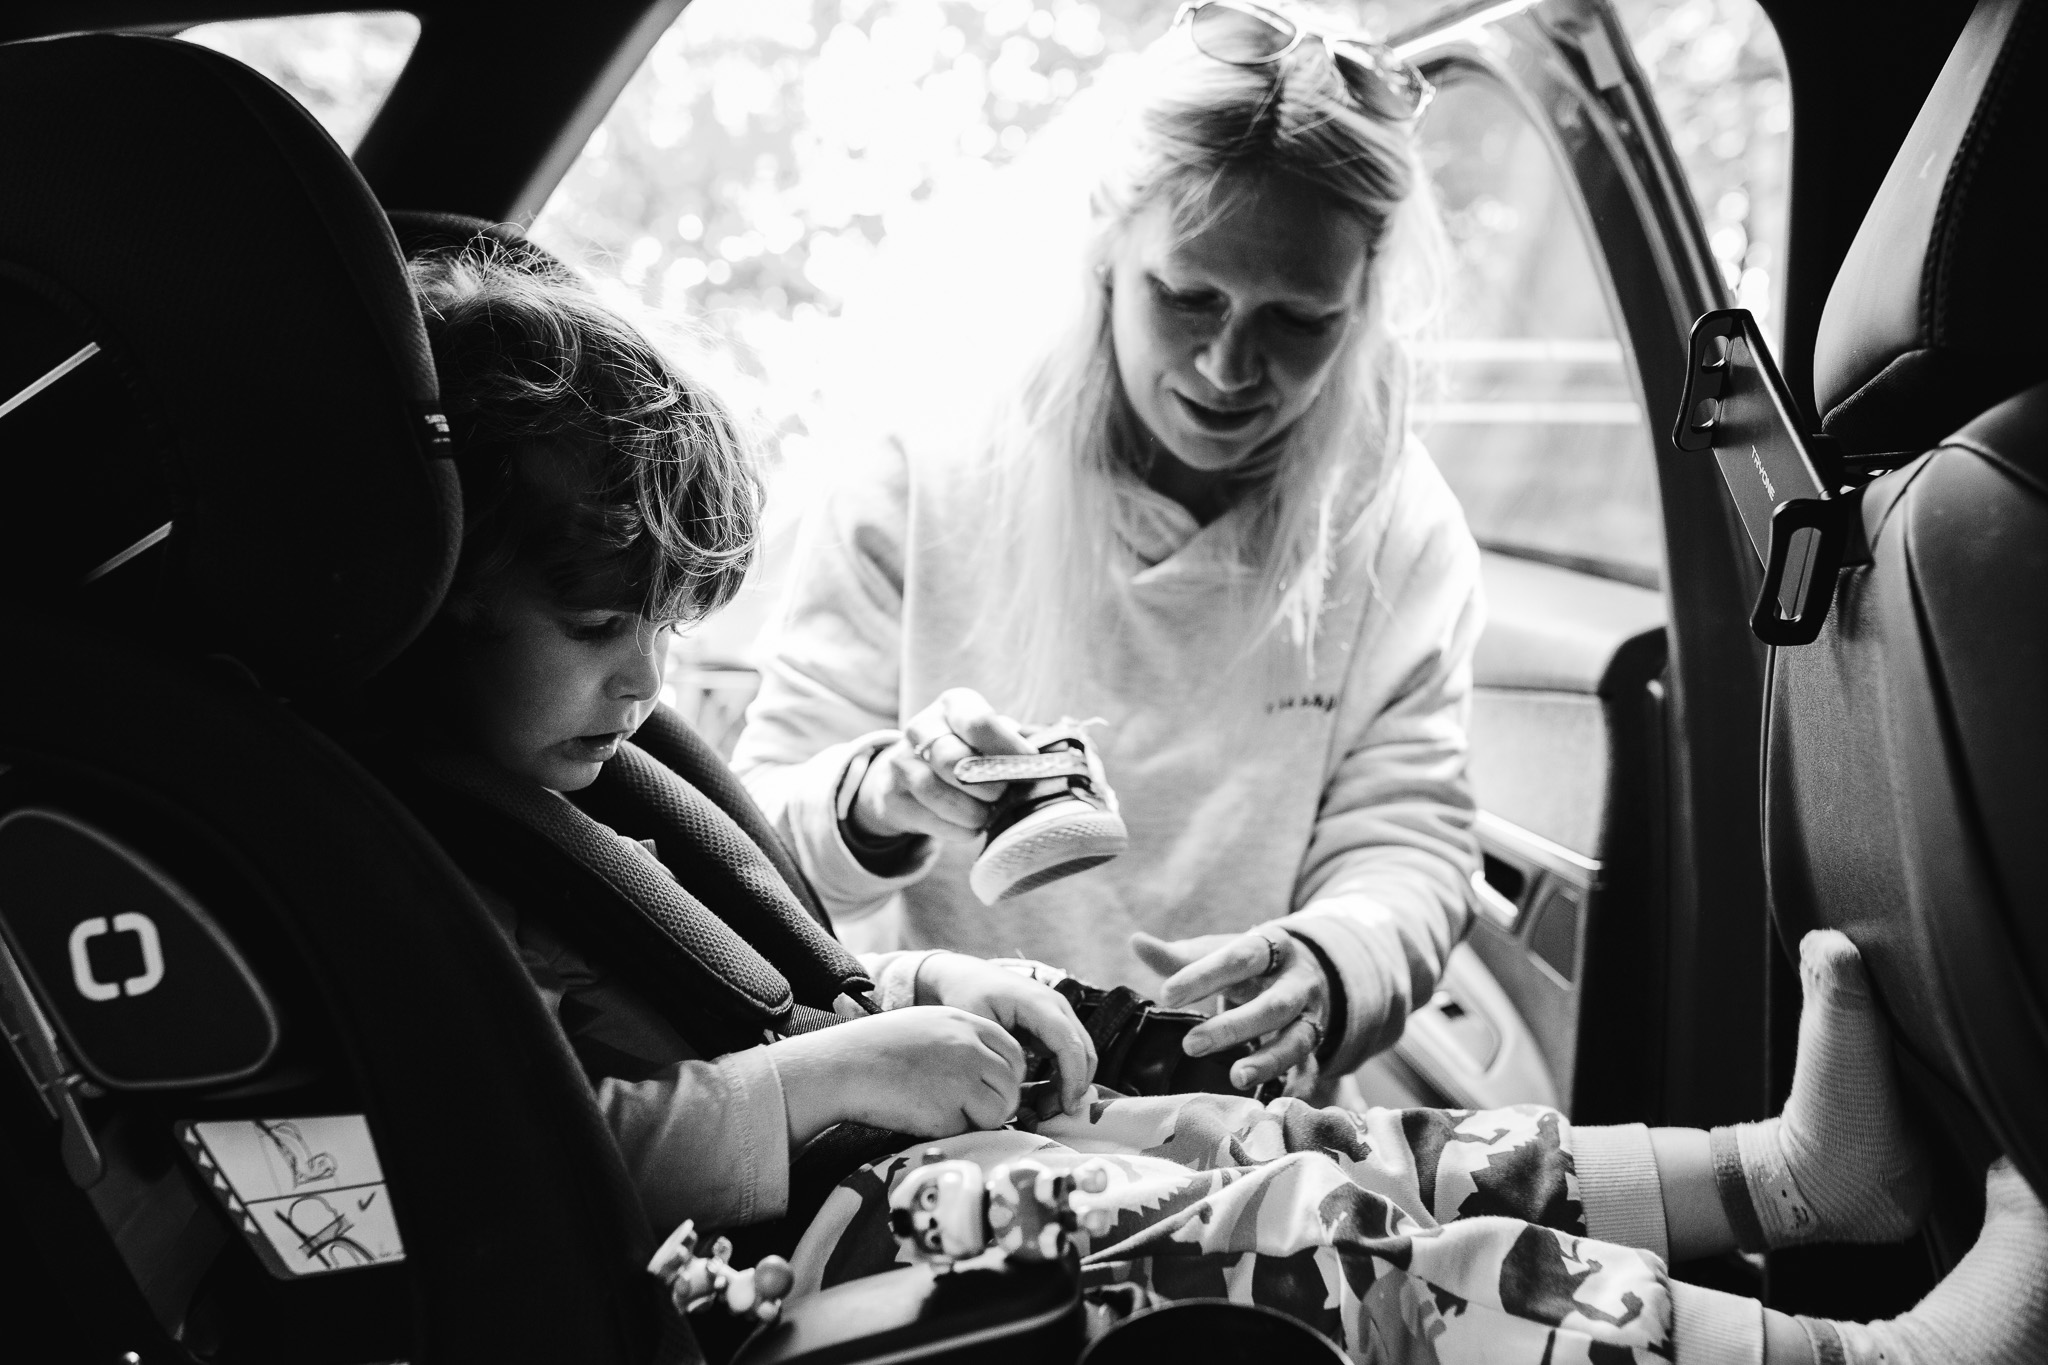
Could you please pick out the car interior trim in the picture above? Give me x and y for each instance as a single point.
(57, 372)
(1554, 857)
(154, 538)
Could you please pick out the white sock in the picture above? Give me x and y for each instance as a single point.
(1840, 1163)
(1993, 1307)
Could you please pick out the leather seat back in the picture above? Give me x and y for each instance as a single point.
(1906, 750)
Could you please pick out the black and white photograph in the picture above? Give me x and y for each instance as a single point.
(1024, 682)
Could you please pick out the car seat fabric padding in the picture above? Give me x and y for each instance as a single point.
(551, 859)
(315, 517)
(1906, 769)
(1937, 311)
(523, 1237)
(667, 738)
(640, 796)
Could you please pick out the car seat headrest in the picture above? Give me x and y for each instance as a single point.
(251, 372)
(1936, 313)
(426, 232)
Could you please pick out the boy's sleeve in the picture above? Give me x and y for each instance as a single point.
(1383, 886)
(704, 1140)
(828, 698)
(895, 975)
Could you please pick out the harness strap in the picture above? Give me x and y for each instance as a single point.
(675, 745)
(714, 966)
(712, 854)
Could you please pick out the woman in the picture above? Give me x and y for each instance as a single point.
(1200, 518)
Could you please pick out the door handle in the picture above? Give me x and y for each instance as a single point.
(1504, 913)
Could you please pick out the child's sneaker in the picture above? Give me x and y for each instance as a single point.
(1057, 817)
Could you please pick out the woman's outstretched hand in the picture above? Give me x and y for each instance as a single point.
(1274, 985)
(909, 787)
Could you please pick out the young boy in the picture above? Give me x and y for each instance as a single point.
(609, 495)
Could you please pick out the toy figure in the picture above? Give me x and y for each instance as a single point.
(694, 1281)
(948, 1211)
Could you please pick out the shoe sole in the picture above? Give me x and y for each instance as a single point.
(1043, 848)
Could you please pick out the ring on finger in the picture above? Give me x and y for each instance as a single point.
(923, 733)
(1317, 1045)
(1272, 952)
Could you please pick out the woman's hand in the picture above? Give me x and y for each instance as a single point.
(928, 1071)
(1022, 1006)
(1273, 982)
(909, 787)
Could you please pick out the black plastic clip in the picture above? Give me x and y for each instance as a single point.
(1786, 486)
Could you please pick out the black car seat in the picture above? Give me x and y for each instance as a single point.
(1906, 749)
(227, 501)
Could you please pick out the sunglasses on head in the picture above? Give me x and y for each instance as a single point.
(1240, 33)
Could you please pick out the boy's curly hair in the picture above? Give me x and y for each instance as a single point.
(586, 453)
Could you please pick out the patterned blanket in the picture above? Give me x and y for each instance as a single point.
(1420, 1235)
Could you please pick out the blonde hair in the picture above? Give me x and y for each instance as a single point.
(1204, 138)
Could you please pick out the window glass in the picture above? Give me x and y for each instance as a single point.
(1719, 78)
(340, 66)
(782, 171)
(1532, 413)
(765, 174)
(759, 160)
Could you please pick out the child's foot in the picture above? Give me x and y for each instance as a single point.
(1992, 1306)
(1840, 1163)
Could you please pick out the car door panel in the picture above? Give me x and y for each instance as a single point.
(1620, 900)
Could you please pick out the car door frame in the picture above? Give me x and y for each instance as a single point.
(1671, 984)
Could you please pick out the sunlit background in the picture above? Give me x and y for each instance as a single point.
(853, 196)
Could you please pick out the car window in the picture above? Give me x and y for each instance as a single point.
(758, 175)
(1719, 79)
(1529, 404)
(340, 66)
(769, 157)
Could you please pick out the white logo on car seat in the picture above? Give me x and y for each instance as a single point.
(90, 986)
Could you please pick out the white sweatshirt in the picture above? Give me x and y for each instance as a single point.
(1255, 787)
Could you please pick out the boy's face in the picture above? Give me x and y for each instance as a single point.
(549, 694)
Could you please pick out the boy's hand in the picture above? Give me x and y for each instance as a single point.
(929, 1071)
(1020, 1005)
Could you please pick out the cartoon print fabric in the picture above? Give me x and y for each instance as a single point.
(1420, 1235)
